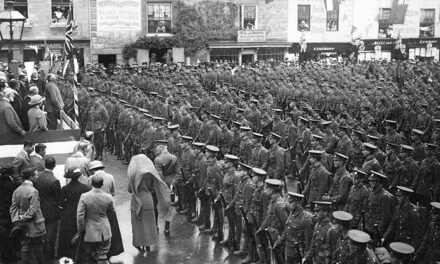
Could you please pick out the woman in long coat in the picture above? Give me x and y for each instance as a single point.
(70, 195)
(143, 177)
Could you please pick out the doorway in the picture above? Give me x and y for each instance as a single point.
(107, 59)
(157, 55)
(247, 58)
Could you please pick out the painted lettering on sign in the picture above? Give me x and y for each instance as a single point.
(124, 15)
(251, 36)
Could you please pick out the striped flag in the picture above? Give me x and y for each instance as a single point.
(69, 58)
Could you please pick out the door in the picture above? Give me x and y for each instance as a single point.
(247, 58)
(107, 59)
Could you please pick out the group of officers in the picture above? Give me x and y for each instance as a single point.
(367, 167)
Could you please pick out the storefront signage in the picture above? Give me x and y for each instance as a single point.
(251, 36)
(324, 48)
(118, 15)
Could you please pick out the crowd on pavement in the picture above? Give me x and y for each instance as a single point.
(218, 141)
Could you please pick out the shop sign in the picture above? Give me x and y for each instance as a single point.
(251, 36)
(42, 45)
(114, 15)
(384, 42)
(324, 48)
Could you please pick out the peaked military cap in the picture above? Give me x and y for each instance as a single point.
(391, 122)
(273, 182)
(359, 236)
(199, 144)
(404, 189)
(295, 195)
(315, 152)
(212, 148)
(417, 132)
(230, 157)
(360, 172)
(370, 146)
(257, 135)
(274, 135)
(259, 172)
(243, 166)
(186, 138)
(161, 142)
(245, 128)
(173, 127)
(402, 248)
(431, 146)
(303, 119)
(318, 137)
(436, 205)
(377, 175)
(342, 216)
(406, 148)
(340, 156)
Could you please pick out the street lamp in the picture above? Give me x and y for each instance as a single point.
(11, 26)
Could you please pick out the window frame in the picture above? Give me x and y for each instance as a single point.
(384, 22)
(334, 11)
(301, 18)
(53, 7)
(168, 21)
(242, 17)
(425, 24)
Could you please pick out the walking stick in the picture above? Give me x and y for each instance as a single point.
(57, 239)
(81, 237)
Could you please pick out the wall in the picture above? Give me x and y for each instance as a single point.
(318, 22)
(368, 25)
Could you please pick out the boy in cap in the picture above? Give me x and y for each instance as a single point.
(324, 239)
(426, 184)
(298, 231)
(257, 210)
(341, 184)
(406, 225)
(380, 206)
(429, 248)
(357, 200)
(243, 198)
(275, 219)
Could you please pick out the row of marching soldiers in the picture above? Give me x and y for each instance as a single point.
(305, 226)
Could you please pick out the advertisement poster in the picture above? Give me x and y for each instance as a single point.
(118, 15)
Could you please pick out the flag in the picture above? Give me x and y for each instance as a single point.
(331, 5)
(68, 42)
(398, 12)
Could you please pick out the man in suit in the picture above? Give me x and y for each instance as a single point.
(37, 160)
(54, 101)
(22, 161)
(80, 161)
(25, 208)
(92, 220)
(97, 168)
(11, 124)
(49, 189)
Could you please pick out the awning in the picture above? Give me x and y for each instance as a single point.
(243, 45)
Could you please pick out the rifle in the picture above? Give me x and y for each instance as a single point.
(363, 219)
(274, 257)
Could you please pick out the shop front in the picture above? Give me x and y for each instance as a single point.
(423, 48)
(382, 49)
(319, 51)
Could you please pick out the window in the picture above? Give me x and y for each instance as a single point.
(333, 19)
(224, 55)
(60, 11)
(304, 17)
(159, 17)
(427, 17)
(21, 6)
(385, 26)
(270, 54)
(248, 17)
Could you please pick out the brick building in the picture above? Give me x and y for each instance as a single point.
(45, 28)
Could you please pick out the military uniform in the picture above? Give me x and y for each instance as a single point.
(429, 250)
(340, 188)
(274, 164)
(98, 122)
(259, 156)
(357, 202)
(427, 178)
(318, 183)
(323, 243)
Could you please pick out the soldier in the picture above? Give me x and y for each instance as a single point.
(391, 165)
(417, 144)
(391, 133)
(358, 252)
(229, 190)
(174, 142)
(168, 168)
(370, 162)
(341, 184)
(245, 148)
(236, 138)
(319, 179)
(257, 213)
(378, 154)
(401, 253)
(303, 142)
(427, 181)
(357, 159)
(187, 162)
(345, 145)
(341, 225)
(278, 124)
(259, 153)
(408, 169)
(357, 200)
(212, 185)
(324, 239)
(274, 222)
(380, 206)
(297, 234)
(429, 250)
(330, 139)
(255, 116)
(97, 122)
(197, 179)
(214, 132)
(406, 225)
(243, 198)
(275, 163)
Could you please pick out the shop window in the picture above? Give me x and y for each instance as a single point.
(333, 19)
(270, 54)
(427, 18)
(248, 17)
(385, 26)
(224, 55)
(60, 11)
(159, 17)
(304, 17)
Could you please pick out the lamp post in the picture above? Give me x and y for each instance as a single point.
(11, 26)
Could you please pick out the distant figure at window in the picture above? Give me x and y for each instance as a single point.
(161, 28)
(382, 34)
(389, 31)
(303, 26)
(249, 26)
(58, 15)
